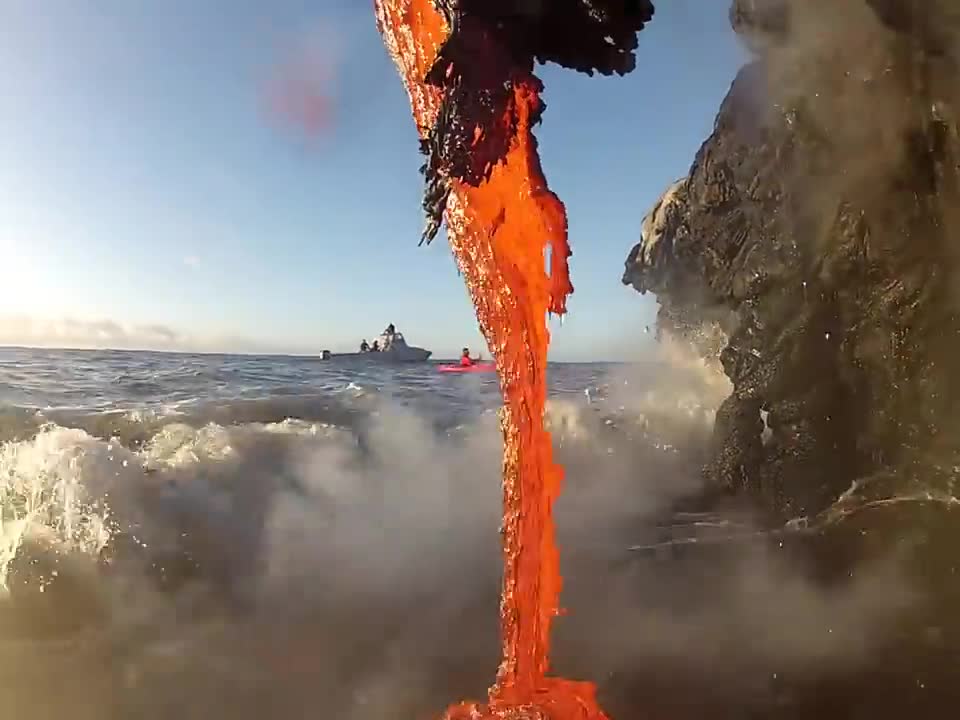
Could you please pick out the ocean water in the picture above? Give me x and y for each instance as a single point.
(238, 537)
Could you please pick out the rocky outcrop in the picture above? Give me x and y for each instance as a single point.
(687, 310)
(818, 236)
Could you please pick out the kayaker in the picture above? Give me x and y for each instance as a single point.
(465, 359)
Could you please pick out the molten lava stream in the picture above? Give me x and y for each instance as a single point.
(499, 232)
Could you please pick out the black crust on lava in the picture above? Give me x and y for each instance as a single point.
(493, 43)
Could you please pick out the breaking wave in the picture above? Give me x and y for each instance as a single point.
(337, 553)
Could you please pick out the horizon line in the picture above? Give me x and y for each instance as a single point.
(265, 354)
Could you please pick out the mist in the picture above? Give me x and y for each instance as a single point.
(296, 568)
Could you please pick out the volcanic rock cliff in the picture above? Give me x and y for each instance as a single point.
(817, 235)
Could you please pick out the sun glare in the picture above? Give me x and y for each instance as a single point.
(28, 280)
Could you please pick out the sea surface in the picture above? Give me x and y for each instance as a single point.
(214, 536)
(234, 388)
(237, 537)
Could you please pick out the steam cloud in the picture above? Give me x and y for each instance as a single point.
(356, 573)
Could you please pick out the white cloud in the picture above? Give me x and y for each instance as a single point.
(191, 261)
(71, 332)
(67, 332)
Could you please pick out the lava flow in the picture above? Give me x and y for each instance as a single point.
(484, 178)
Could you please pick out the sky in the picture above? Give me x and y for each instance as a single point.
(153, 194)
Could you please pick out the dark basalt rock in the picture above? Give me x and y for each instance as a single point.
(818, 234)
(820, 228)
(584, 35)
(477, 120)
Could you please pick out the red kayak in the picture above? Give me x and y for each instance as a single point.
(476, 367)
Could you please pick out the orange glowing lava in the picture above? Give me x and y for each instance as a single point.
(499, 233)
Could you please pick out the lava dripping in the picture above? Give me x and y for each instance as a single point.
(484, 178)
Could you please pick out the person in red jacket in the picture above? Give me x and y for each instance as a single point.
(465, 360)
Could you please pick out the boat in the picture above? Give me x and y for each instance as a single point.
(394, 350)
